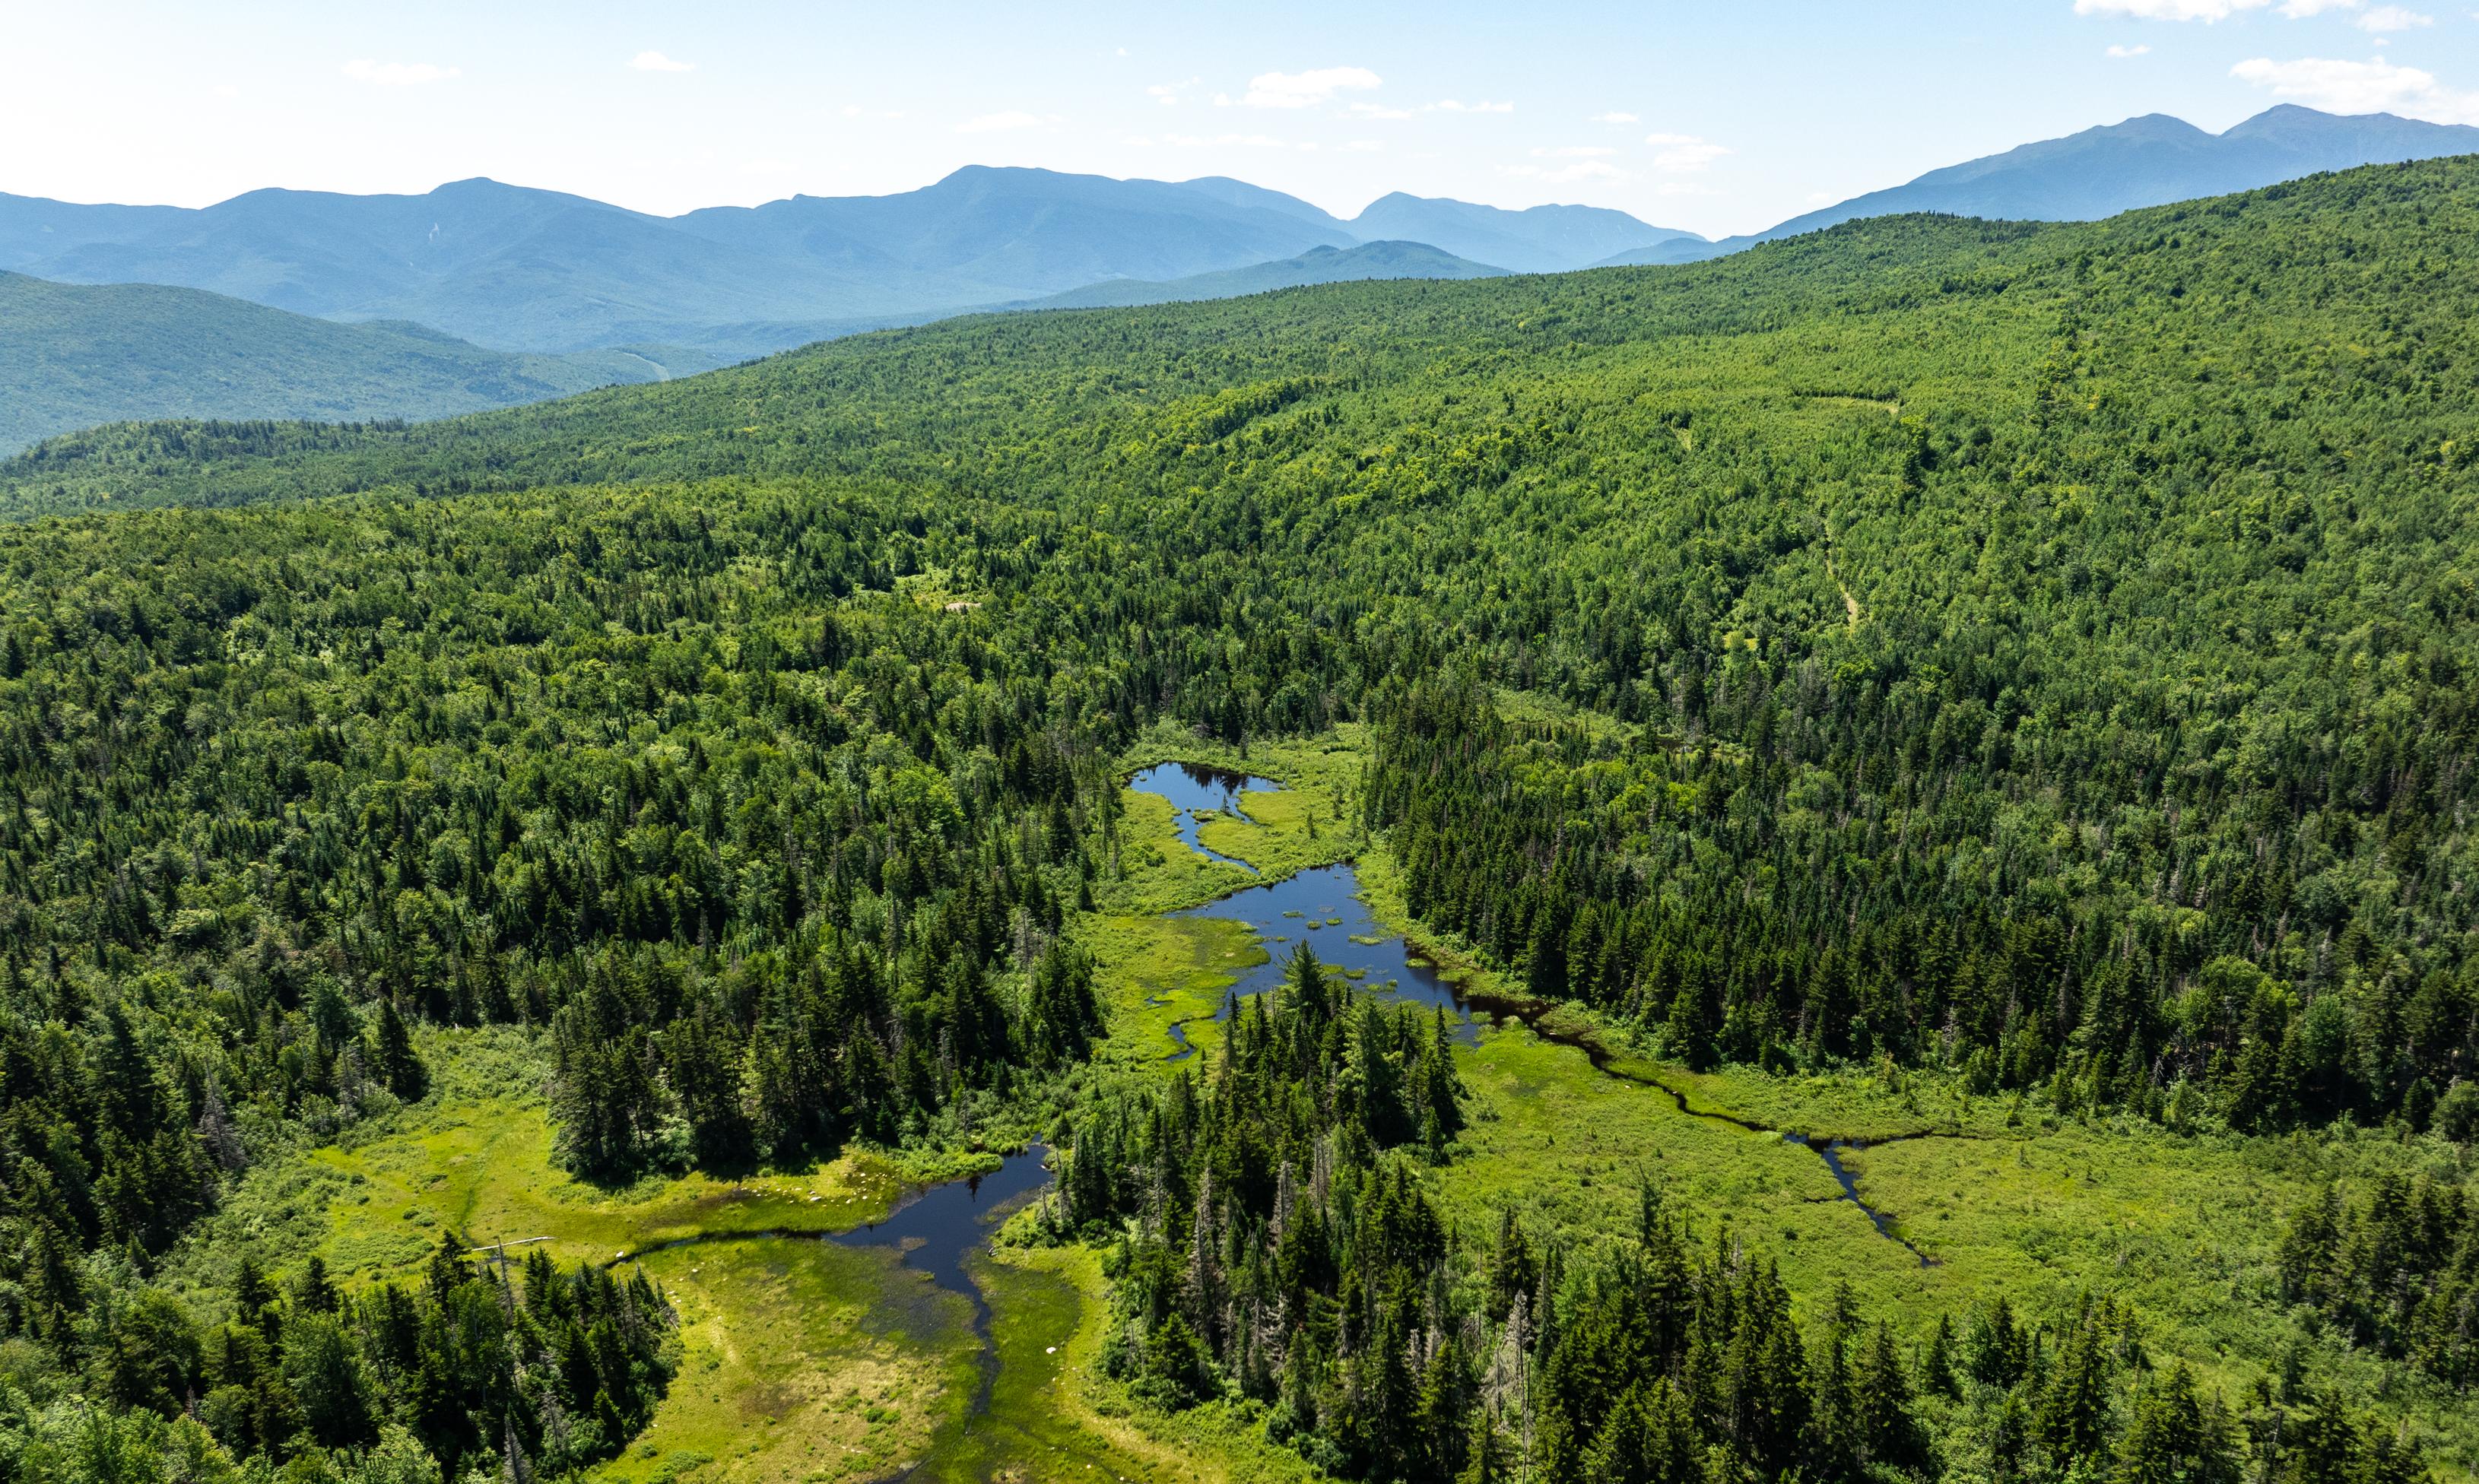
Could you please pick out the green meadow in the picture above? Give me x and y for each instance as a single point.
(800, 1359)
(2000, 1196)
(804, 1360)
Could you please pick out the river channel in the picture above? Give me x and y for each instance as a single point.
(1322, 908)
(932, 1230)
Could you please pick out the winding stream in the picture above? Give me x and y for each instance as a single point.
(1323, 907)
(1195, 789)
(932, 1230)
(937, 1228)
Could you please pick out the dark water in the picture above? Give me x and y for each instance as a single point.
(1191, 786)
(1306, 908)
(932, 1230)
(935, 1228)
(1322, 908)
(1831, 1150)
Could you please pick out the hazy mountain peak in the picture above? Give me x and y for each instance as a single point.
(1537, 239)
(2149, 159)
(2163, 126)
(1239, 192)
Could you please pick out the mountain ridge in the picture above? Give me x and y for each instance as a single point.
(1378, 260)
(519, 268)
(81, 355)
(2148, 160)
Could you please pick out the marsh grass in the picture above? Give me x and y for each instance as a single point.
(802, 1360)
(1054, 1417)
(1305, 823)
(2004, 1196)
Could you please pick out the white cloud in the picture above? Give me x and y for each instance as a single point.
(1820, 199)
(1365, 146)
(1616, 118)
(1225, 141)
(1684, 187)
(1680, 153)
(856, 111)
(1001, 122)
(398, 74)
(2384, 18)
(1442, 105)
(656, 62)
(2206, 11)
(1573, 152)
(1167, 94)
(2128, 51)
(1306, 89)
(2360, 87)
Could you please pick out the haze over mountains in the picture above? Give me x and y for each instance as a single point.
(519, 272)
(1318, 265)
(75, 355)
(525, 269)
(2149, 160)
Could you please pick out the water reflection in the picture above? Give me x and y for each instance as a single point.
(935, 1229)
(1192, 787)
(1321, 907)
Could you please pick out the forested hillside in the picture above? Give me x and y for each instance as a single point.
(2038, 657)
(76, 355)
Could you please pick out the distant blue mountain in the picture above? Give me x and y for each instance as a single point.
(2149, 160)
(1544, 240)
(1538, 239)
(1318, 265)
(542, 271)
(1239, 192)
(984, 233)
(524, 269)
(75, 355)
(33, 228)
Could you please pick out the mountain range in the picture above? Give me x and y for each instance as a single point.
(2150, 160)
(477, 293)
(76, 355)
(1318, 265)
(525, 269)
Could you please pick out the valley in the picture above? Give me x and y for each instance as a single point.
(292, 305)
(1842, 863)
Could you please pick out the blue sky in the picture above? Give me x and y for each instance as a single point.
(1719, 118)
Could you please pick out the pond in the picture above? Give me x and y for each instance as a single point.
(1194, 788)
(937, 1227)
(1322, 908)
(932, 1231)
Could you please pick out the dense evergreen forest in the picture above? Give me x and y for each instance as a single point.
(2040, 654)
(1269, 1235)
